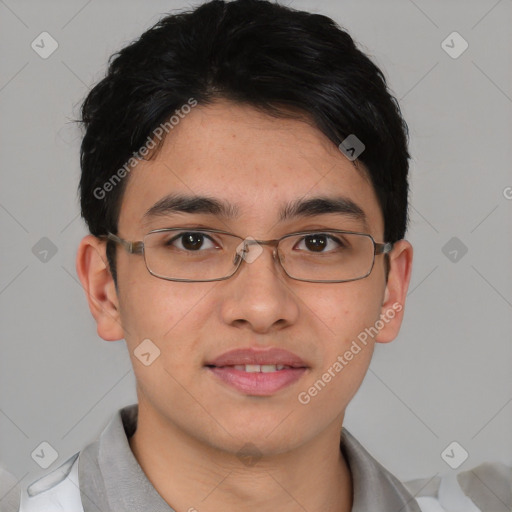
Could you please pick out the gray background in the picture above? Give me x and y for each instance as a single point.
(448, 375)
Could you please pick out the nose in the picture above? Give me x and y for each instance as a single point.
(259, 295)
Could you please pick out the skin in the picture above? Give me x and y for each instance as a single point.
(190, 424)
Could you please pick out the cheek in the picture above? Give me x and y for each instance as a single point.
(171, 315)
(344, 310)
(342, 316)
(163, 311)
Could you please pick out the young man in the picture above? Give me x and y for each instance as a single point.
(244, 181)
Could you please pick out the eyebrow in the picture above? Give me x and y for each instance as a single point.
(179, 203)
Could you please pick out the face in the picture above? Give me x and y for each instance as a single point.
(257, 164)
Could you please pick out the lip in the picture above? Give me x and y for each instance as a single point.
(258, 356)
(257, 383)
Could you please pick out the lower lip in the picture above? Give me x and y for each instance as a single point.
(258, 383)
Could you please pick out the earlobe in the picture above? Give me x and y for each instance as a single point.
(392, 310)
(98, 284)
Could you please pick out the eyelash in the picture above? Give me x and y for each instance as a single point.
(181, 234)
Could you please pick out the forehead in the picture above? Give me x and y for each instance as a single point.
(258, 166)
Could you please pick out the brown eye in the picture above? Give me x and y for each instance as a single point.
(191, 241)
(320, 242)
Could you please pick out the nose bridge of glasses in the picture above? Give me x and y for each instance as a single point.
(243, 251)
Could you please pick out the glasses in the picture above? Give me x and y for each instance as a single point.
(199, 255)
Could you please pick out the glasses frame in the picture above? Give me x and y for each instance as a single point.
(137, 247)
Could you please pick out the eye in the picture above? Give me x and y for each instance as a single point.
(320, 242)
(191, 241)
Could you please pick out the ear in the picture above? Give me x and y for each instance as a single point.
(392, 310)
(94, 274)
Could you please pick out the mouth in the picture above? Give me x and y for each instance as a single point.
(258, 368)
(257, 372)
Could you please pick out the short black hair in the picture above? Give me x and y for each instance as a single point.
(277, 59)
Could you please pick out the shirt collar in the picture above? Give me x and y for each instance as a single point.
(375, 488)
(112, 479)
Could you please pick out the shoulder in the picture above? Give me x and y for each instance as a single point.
(374, 487)
(57, 491)
(485, 487)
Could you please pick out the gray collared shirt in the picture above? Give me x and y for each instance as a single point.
(111, 479)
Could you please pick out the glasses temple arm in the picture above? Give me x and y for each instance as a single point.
(131, 247)
(383, 248)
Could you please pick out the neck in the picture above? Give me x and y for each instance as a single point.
(193, 476)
